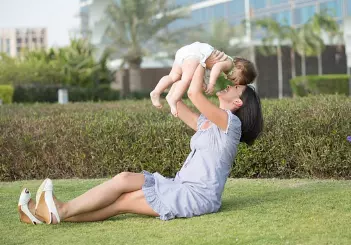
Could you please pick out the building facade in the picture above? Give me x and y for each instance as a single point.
(14, 40)
(290, 12)
(84, 14)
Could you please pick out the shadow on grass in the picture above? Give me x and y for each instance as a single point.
(233, 203)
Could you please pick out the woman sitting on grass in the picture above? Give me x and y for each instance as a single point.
(196, 189)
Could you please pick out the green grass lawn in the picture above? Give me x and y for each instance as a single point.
(263, 211)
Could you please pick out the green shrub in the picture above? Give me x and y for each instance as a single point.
(23, 73)
(31, 94)
(325, 84)
(303, 137)
(6, 93)
(73, 65)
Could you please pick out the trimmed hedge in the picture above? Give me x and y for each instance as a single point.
(31, 94)
(303, 137)
(48, 94)
(325, 84)
(6, 93)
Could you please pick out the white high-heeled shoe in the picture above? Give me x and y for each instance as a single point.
(45, 205)
(25, 215)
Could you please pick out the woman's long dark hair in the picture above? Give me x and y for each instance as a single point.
(250, 115)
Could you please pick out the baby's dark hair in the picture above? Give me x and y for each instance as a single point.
(245, 71)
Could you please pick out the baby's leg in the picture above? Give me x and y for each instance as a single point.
(188, 69)
(164, 83)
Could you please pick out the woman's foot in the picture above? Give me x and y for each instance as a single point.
(173, 105)
(26, 209)
(155, 99)
(47, 204)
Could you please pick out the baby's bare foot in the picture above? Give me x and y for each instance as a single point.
(173, 105)
(155, 99)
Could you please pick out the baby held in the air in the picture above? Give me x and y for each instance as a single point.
(238, 70)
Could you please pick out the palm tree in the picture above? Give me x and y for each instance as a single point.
(310, 43)
(220, 35)
(135, 28)
(302, 41)
(322, 23)
(75, 61)
(305, 45)
(294, 39)
(275, 34)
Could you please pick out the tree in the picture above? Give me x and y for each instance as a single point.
(73, 65)
(305, 46)
(275, 34)
(322, 23)
(77, 61)
(293, 37)
(134, 27)
(220, 35)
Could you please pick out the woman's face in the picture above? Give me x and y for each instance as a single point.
(229, 96)
(231, 93)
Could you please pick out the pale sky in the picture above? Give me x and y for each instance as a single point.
(60, 17)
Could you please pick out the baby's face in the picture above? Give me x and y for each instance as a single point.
(236, 73)
(232, 76)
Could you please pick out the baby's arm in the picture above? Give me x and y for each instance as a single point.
(215, 72)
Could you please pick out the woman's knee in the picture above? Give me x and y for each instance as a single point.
(128, 181)
(121, 177)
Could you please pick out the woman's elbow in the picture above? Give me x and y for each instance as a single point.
(190, 93)
(193, 93)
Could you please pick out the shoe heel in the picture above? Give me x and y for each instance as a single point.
(46, 207)
(42, 209)
(39, 192)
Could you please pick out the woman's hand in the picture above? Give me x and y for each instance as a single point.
(215, 57)
(211, 111)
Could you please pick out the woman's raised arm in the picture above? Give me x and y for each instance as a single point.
(185, 113)
(206, 107)
(187, 116)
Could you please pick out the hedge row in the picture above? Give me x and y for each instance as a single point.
(48, 93)
(303, 137)
(6, 93)
(31, 94)
(325, 84)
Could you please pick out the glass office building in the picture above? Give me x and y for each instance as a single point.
(290, 12)
(84, 12)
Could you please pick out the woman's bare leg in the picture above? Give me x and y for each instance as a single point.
(131, 202)
(188, 67)
(164, 83)
(102, 195)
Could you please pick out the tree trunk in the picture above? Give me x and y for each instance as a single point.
(320, 67)
(122, 76)
(303, 64)
(293, 65)
(280, 72)
(135, 84)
